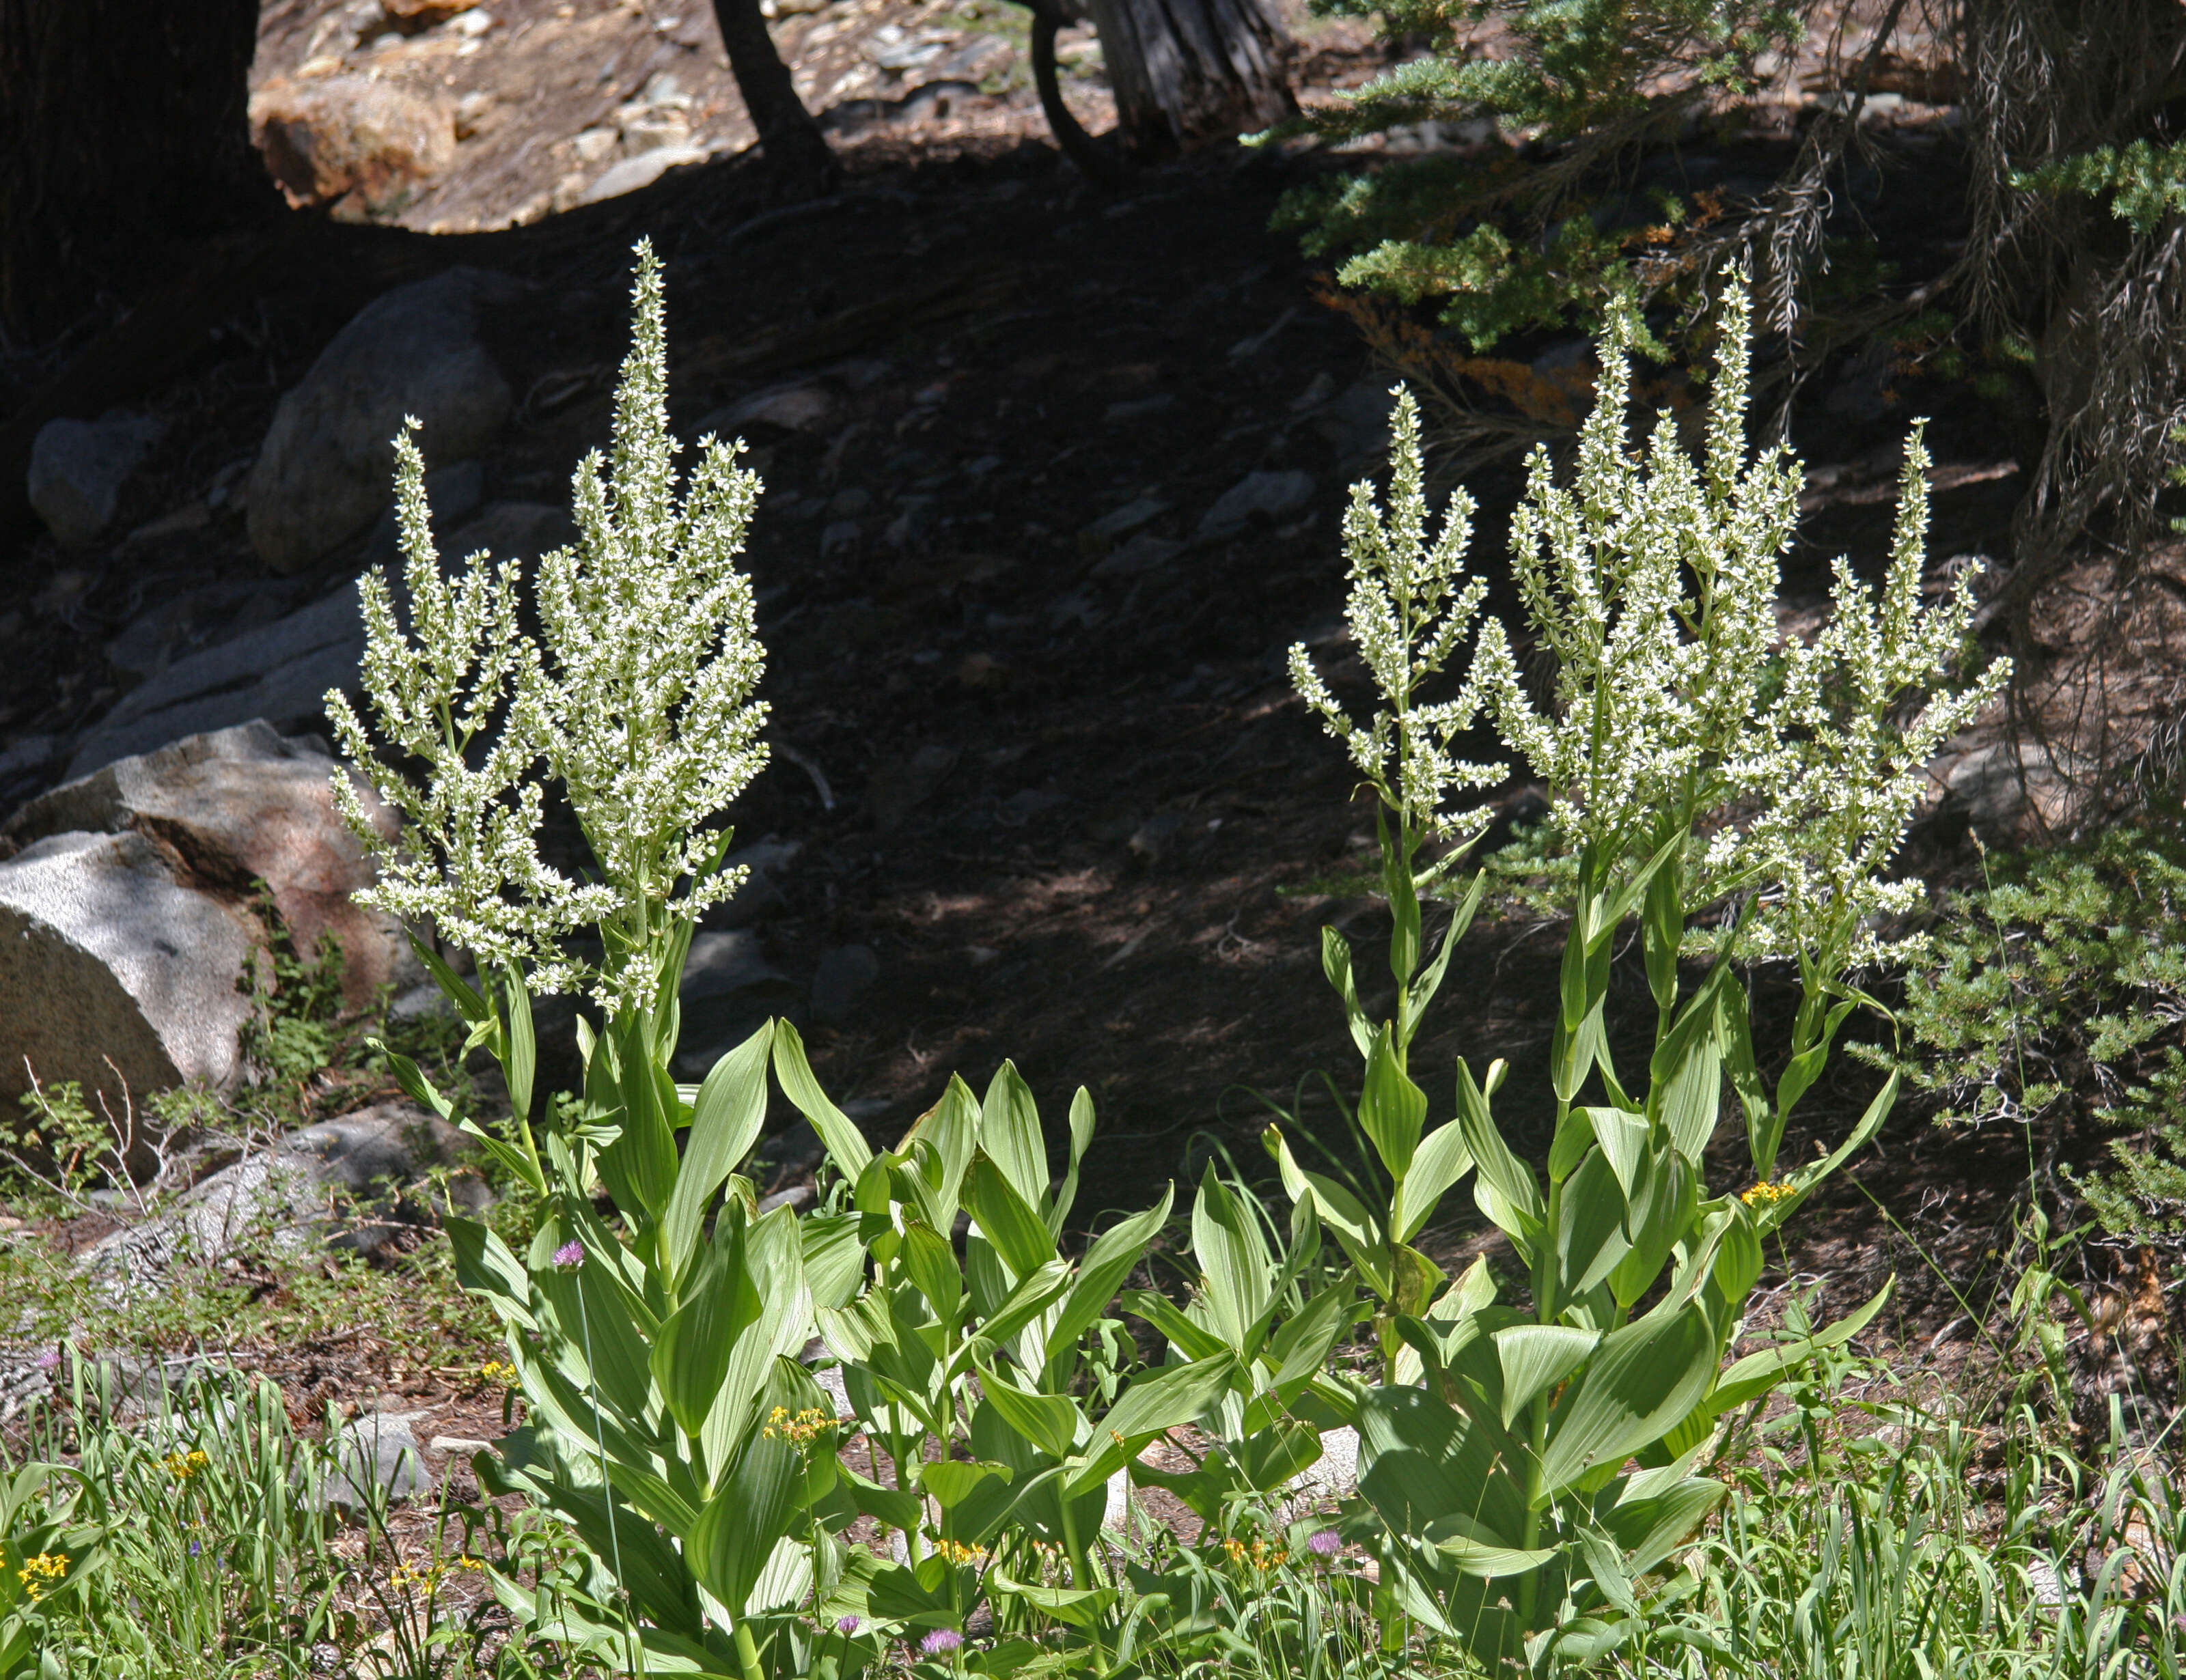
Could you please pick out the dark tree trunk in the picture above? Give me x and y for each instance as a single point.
(788, 138)
(123, 128)
(1189, 71)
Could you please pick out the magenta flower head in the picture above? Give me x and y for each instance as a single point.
(939, 1640)
(847, 1626)
(1325, 1544)
(571, 1255)
(50, 1359)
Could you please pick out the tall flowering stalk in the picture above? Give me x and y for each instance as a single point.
(636, 699)
(1743, 796)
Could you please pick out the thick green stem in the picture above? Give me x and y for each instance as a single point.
(747, 1651)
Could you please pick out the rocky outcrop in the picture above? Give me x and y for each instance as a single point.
(280, 672)
(235, 807)
(78, 468)
(342, 1182)
(326, 470)
(114, 972)
(363, 146)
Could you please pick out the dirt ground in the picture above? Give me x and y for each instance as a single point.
(1033, 742)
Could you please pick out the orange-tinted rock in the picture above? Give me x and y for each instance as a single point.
(364, 147)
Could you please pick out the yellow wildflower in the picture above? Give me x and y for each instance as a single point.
(42, 1574)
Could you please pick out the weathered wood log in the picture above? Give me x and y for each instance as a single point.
(1186, 72)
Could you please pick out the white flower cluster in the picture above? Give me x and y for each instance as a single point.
(636, 696)
(1408, 613)
(1677, 707)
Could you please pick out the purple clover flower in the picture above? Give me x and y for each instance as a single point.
(1325, 1544)
(847, 1626)
(571, 1255)
(50, 1359)
(939, 1640)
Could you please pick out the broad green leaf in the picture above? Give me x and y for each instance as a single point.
(1492, 1563)
(469, 1002)
(1641, 1381)
(1010, 1134)
(1037, 1291)
(1081, 1138)
(1392, 1109)
(1609, 914)
(1422, 993)
(1441, 1160)
(1233, 1262)
(1194, 1341)
(1048, 1421)
(1111, 1259)
(1756, 1373)
(1006, 1218)
(845, 1143)
(1342, 1211)
(419, 1088)
(736, 1533)
(1270, 1455)
(1660, 1214)
(1648, 1529)
(1163, 1400)
(1590, 1238)
(1301, 1345)
(521, 1065)
(834, 1258)
(1398, 886)
(1768, 1217)
(951, 1481)
(1074, 1606)
(484, 1266)
(1623, 1137)
(1607, 1570)
(930, 1263)
(691, 1354)
(1512, 1180)
(1574, 1137)
(726, 1120)
(897, 1506)
(1336, 965)
(1535, 1358)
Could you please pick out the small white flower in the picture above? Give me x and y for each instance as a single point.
(637, 699)
(1408, 613)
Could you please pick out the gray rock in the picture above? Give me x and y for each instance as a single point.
(113, 969)
(181, 623)
(1144, 552)
(2009, 791)
(845, 975)
(1270, 494)
(78, 468)
(239, 806)
(1357, 423)
(729, 989)
(1330, 1478)
(760, 897)
(799, 405)
(326, 467)
(340, 1183)
(378, 1457)
(27, 757)
(280, 671)
(635, 174)
(901, 786)
(1123, 520)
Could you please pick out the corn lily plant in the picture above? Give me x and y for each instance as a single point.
(1741, 797)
